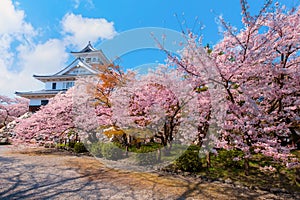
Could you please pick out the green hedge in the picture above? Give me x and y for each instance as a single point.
(228, 158)
(79, 147)
(189, 161)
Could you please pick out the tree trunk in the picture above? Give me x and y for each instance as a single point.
(297, 178)
(76, 137)
(208, 160)
(126, 150)
(168, 149)
(246, 166)
(159, 155)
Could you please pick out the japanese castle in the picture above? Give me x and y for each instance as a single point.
(85, 63)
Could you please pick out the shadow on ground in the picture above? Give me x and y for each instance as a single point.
(33, 176)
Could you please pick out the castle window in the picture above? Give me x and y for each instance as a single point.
(67, 85)
(44, 102)
(88, 60)
(70, 84)
(53, 86)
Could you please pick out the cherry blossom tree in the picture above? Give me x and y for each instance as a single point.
(11, 108)
(161, 103)
(92, 102)
(48, 124)
(84, 108)
(258, 68)
(89, 114)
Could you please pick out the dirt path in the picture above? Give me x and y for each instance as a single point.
(53, 176)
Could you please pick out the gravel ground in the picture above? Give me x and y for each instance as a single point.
(29, 175)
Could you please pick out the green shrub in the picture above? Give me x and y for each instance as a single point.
(150, 147)
(229, 158)
(61, 146)
(79, 147)
(71, 144)
(111, 152)
(49, 145)
(189, 161)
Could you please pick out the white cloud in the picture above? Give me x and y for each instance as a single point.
(79, 30)
(6, 55)
(11, 20)
(76, 3)
(13, 28)
(21, 57)
(46, 58)
(89, 4)
(19, 62)
(10, 81)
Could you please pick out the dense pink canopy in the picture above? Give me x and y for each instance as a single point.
(49, 123)
(11, 108)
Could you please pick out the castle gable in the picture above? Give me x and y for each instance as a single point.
(78, 70)
(77, 67)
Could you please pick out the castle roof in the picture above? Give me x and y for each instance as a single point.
(38, 93)
(66, 73)
(89, 48)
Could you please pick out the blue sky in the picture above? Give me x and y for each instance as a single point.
(36, 36)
